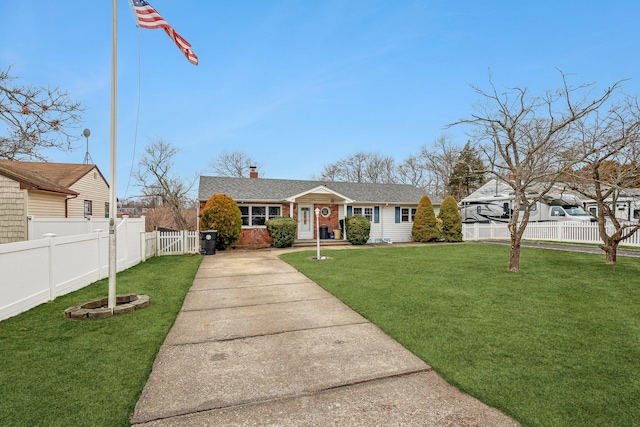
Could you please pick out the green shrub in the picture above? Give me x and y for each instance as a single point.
(282, 230)
(221, 213)
(451, 221)
(357, 228)
(425, 225)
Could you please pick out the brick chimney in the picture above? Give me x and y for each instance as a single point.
(253, 173)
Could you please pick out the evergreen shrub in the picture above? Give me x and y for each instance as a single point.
(425, 225)
(451, 221)
(357, 229)
(221, 213)
(282, 230)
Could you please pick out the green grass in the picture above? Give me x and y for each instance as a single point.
(557, 344)
(58, 372)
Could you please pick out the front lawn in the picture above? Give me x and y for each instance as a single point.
(557, 344)
(58, 372)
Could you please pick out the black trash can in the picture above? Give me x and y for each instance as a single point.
(208, 242)
(324, 232)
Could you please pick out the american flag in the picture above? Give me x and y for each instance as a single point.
(149, 18)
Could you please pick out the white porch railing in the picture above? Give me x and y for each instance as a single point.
(570, 232)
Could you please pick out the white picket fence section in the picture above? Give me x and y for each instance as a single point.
(36, 271)
(150, 244)
(569, 232)
(159, 243)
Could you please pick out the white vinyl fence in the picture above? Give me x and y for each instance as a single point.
(570, 232)
(36, 271)
(38, 227)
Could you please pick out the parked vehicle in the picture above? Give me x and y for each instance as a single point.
(627, 206)
(494, 201)
(502, 211)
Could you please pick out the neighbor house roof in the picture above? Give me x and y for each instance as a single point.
(54, 177)
(280, 190)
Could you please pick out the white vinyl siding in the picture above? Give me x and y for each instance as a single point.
(387, 228)
(397, 232)
(91, 187)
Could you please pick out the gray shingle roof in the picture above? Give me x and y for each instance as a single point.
(277, 190)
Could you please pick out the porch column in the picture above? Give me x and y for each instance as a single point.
(290, 209)
(344, 213)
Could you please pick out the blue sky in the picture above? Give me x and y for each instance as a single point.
(299, 84)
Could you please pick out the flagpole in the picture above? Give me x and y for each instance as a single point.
(113, 200)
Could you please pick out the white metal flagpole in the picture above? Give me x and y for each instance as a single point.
(113, 200)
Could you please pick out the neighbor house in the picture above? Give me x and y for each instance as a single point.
(48, 190)
(389, 207)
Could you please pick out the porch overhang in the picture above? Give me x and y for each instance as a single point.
(321, 190)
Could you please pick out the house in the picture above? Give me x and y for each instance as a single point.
(48, 190)
(389, 207)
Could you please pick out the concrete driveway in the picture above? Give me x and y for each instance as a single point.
(259, 344)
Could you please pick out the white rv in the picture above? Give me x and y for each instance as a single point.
(494, 201)
(627, 205)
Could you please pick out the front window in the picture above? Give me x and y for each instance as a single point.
(88, 208)
(365, 212)
(258, 215)
(407, 214)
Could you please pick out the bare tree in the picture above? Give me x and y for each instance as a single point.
(431, 169)
(381, 169)
(611, 147)
(412, 171)
(162, 216)
(157, 181)
(234, 164)
(530, 141)
(35, 119)
(361, 167)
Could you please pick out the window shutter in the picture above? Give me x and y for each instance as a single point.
(349, 210)
(397, 214)
(376, 214)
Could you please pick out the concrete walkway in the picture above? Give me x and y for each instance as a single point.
(258, 344)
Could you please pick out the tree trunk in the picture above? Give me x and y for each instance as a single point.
(514, 254)
(611, 251)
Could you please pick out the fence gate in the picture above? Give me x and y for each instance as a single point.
(161, 243)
